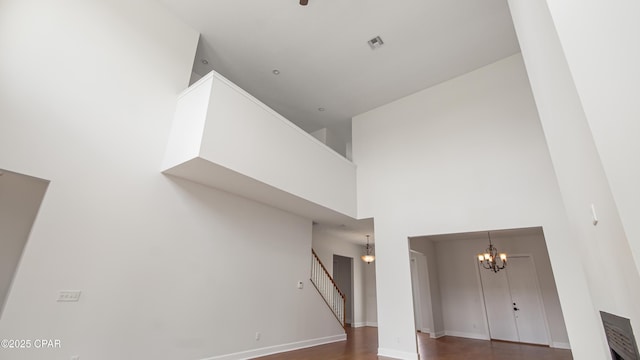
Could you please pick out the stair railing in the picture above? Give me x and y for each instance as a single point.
(326, 286)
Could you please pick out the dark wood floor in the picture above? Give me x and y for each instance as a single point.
(362, 344)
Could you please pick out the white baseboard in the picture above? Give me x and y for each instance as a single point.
(561, 345)
(437, 335)
(396, 354)
(269, 350)
(467, 335)
(425, 331)
(363, 324)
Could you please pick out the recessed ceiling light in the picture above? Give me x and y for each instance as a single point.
(204, 61)
(276, 72)
(375, 43)
(321, 109)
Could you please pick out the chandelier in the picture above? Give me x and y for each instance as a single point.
(368, 257)
(489, 260)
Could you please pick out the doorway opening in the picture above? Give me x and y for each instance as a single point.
(457, 297)
(343, 276)
(513, 303)
(20, 199)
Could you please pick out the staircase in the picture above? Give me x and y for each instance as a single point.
(323, 282)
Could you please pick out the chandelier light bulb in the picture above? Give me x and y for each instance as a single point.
(489, 260)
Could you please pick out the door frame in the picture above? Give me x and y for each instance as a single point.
(349, 299)
(418, 319)
(538, 293)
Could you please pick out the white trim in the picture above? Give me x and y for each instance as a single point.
(396, 354)
(437, 335)
(467, 335)
(416, 294)
(195, 85)
(425, 330)
(269, 350)
(561, 345)
(364, 323)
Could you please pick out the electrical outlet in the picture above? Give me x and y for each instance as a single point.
(75, 357)
(69, 295)
(257, 336)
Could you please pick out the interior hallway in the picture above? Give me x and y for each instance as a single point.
(362, 344)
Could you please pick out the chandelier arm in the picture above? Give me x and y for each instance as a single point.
(490, 258)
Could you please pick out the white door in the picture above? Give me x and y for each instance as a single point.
(497, 300)
(513, 302)
(527, 301)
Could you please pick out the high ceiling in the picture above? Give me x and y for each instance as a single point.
(322, 54)
(324, 60)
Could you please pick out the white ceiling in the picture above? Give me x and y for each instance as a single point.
(354, 231)
(325, 62)
(322, 53)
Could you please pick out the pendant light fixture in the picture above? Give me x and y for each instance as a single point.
(368, 257)
(489, 259)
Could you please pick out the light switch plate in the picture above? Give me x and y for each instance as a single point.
(69, 295)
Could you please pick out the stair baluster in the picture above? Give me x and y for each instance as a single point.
(323, 282)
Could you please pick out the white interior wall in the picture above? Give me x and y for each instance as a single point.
(568, 110)
(606, 73)
(194, 77)
(20, 198)
(326, 244)
(320, 135)
(370, 298)
(462, 307)
(332, 140)
(152, 255)
(464, 155)
(335, 142)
